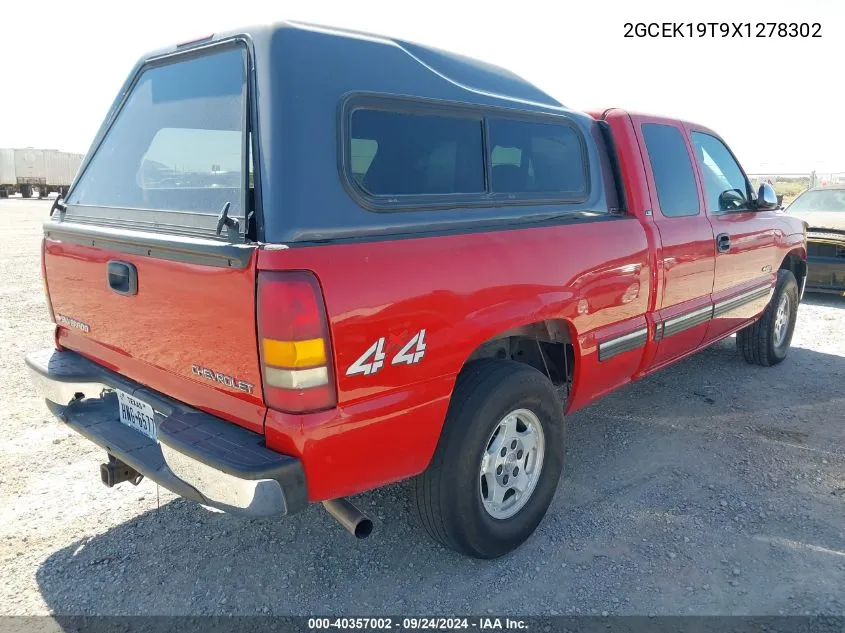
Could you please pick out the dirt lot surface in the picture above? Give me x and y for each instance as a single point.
(713, 487)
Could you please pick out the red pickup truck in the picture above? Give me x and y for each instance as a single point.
(300, 263)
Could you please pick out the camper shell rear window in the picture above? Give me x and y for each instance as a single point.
(176, 152)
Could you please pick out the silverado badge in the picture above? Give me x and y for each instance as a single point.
(71, 322)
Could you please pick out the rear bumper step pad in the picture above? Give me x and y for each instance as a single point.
(197, 455)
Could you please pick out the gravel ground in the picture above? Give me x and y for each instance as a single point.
(713, 487)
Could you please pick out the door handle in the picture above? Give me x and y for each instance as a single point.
(122, 277)
(723, 242)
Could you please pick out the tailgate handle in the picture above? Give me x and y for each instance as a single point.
(122, 277)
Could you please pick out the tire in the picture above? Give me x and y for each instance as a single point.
(489, 396)
(26, 191)
(766, 342)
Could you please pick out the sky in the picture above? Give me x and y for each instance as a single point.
(775, 101)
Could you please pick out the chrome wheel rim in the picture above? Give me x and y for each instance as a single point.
(511, 464)
(782, 320)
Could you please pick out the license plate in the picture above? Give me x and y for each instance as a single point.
(136, 414)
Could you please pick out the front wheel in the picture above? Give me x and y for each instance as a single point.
(498, 462)
(766, 342)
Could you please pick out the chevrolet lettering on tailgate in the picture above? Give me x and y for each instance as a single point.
(223, 379)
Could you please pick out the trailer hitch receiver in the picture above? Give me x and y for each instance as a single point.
(115, 472)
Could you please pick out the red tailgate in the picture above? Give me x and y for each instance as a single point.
(184, 319)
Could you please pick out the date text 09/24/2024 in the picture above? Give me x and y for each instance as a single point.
(722, 29)
(418, 623)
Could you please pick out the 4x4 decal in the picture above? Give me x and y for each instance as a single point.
(373, 359)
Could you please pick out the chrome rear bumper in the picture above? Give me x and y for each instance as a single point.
(196, 455)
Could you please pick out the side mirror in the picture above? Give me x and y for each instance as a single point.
(732, 200)
(767, 199)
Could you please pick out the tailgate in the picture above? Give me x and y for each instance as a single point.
(188, 331)
(150, 268)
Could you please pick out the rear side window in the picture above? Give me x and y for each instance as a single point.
(176, 146)
(403, 154)
(672, 169)
(539, 159)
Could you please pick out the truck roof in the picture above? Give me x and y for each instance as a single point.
(598, 113)
(418, 62)
(304, 75)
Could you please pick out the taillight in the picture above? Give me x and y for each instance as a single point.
(293, 340)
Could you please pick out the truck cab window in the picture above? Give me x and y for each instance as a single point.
(725, 185)
(672, 169)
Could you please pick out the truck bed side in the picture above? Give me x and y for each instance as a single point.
(592, 277)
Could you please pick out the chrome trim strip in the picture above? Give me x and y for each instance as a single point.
(696, 317)
(829, 235)
(625, 343)
(729, 305)
(686, 321)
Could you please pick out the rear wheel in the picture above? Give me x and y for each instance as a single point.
(766, 342)
(498, 462)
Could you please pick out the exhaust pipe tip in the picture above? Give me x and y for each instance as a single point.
(364, 528)
(351, 518)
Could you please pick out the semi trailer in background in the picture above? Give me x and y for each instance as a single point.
(42, 171)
